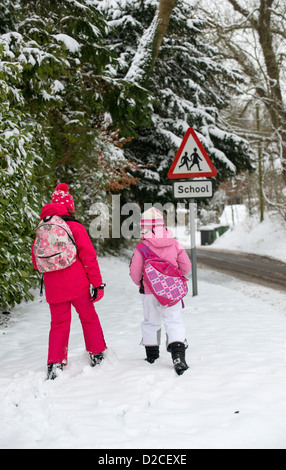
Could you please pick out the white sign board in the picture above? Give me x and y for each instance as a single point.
(192, 189)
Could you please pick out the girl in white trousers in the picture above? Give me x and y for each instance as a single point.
(162, 243)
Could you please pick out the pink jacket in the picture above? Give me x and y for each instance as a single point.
(165, 246)
(74, 281)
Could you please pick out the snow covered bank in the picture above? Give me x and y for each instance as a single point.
(267, 238)
(246, 234)
(233, 395)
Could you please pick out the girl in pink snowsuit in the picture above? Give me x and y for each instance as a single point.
(161, 242)
(71, 287)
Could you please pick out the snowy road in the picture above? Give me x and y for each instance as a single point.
(233, 395)
(249, 267)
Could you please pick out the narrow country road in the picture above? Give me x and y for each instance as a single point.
(248, 267)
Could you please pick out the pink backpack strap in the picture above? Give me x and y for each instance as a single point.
(145, 251)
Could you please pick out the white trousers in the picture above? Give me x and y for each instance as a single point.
(154, 314)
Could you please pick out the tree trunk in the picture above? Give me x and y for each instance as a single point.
(149, 46)
(165, 10)
(260, 176)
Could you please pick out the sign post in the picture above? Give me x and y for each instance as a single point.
(192, 161)
(193, 247)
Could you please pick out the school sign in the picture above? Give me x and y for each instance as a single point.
(192, 189)
(191, 160)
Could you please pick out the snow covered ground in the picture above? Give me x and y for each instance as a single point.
(247, 234)
(233, 395)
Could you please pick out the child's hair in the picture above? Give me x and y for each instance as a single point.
(71, 213)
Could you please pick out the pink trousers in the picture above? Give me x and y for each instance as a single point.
(60, 328)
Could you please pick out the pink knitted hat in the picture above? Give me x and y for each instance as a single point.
(62, 196)
(150, 219)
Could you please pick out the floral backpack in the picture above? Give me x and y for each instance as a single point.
(166, 282)
(54, 246)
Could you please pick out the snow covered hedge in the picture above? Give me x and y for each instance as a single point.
(18, 195)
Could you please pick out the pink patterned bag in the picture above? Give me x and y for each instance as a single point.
(54, 247)
(166, 282)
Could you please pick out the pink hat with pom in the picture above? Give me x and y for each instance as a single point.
(61, 195)
(150, 219)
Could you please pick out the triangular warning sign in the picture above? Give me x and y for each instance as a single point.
(191, 159)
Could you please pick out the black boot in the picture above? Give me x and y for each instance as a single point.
(152, 353)
(178, 355)
(96, 359)
(53, 370)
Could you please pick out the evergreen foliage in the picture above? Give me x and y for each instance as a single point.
(56, 88)
(19, 150)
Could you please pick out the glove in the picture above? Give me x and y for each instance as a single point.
(97, 293)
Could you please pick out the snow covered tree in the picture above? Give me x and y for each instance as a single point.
(63, 61)
(55, 89)
(66, 75)
(253, 36)
(20, 138)
(189, 84)
(72, 77)
(266, 21)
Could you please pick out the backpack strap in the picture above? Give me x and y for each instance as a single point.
(42, 285)
(48, 218)
(68, 218)
(145, 252)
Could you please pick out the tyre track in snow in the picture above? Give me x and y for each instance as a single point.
(248, 267)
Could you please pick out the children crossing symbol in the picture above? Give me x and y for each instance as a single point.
(191, 160)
